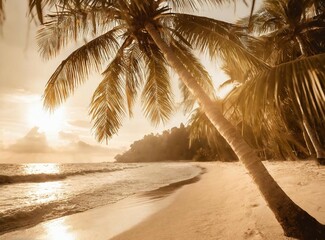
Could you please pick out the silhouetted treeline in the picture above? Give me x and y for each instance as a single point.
(174, 145)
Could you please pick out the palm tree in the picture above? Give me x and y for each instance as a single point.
(139, 39)
(262, 128)
(291, 30)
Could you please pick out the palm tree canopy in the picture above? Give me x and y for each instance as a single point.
(280, 23)
(130, 60)
(290, 38)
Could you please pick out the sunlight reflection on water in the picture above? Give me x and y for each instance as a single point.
(58, 229)
(40, 168)
(45, 192)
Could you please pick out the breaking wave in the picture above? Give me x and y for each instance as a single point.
(44, 177)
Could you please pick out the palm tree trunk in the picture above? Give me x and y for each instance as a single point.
(294, 220)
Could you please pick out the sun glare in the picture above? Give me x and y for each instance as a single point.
(37, 168)
(58, 229)
(47, 122)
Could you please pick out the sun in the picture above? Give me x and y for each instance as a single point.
(48, 122)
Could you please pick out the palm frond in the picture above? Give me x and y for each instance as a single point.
(196, 69)
(76, 67)
(302, 81)
(218, 39)
(134, 75)
(69, 26)
(269, 18)
(36, 8)
(195, 4)
(272, 132)
(157, 98)
(251, 14)
(39, 8)
(272, 135)
(200, 126)
(107, 107)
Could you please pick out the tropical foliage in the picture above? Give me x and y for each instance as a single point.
(174, 145)
(276, 102)
(133, 62)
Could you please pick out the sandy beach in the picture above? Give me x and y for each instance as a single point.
(224, 204)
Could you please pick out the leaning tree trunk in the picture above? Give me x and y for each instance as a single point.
(294, 220)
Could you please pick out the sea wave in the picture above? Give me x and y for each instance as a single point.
(33, 215)
(44, 177)
(87, 192)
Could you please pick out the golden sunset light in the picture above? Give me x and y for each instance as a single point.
(48, 122)
(58, 230)
(162, 119)
(50, 168)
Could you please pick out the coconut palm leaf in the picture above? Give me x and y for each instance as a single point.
(36, 8)
(196, 69)
(302, 81)
(39, 8)
(107, 107)
(157, 98)
(268, 19)
(200, 126)
(195, 4)
(279, 91)
(281, 23)
(74, 70)
(134, 76)
(60, 29)
(217, 38)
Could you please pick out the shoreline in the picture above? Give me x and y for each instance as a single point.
(141, 204)
(165, 191)
(224, 204)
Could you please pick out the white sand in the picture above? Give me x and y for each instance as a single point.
(224, 204)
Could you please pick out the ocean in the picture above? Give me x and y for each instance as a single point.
(33, 193)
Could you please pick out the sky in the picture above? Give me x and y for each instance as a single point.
(30, 134)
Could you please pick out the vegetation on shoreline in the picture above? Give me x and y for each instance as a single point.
(175, 145)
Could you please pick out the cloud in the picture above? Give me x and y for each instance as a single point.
(80, 124)
(34, 147)
(94, 149)
(77, 146)
(82, 148)
(68, 136)
(32, 142)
